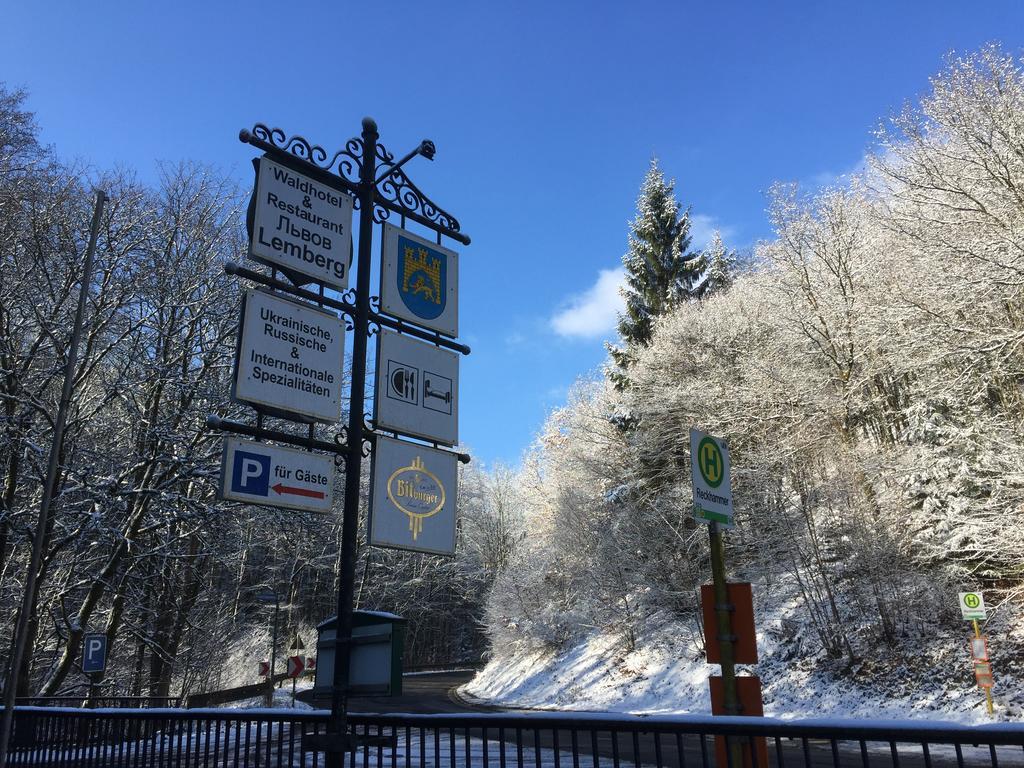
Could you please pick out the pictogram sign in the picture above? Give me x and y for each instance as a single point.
(972, 606)
(417, 388)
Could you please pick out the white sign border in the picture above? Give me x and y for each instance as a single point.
(964, 610)
(380, 383)
(374, 464)
(224, 494)
(696, 438)
(335, 284)
(273, 409)
(391, 302)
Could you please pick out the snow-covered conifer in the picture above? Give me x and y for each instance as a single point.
(661, 270)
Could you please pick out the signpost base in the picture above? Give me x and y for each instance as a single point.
(986, 688)
(750, 705)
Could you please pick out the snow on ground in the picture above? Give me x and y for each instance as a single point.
(251, 644)
(667, 674)
(282, 697)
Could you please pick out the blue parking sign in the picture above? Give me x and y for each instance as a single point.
(94, 652)
(251, 473)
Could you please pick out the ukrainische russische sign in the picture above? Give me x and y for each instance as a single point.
(290, 357)
(417, 388)
(274, 476)
(413, 497)
(419, 281)
(712, 492)
(301, 225)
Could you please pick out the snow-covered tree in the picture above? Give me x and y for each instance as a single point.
(867, 375)
(720, 269)
(660, 269)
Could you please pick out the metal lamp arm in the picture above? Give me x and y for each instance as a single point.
(426, 148)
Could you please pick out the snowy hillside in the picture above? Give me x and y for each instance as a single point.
(866, 369)
(928, 678)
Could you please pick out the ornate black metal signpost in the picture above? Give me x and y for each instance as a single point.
(300, 239)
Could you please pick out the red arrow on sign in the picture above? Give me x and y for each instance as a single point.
(264, 668)
(281, 489)
(295, 666)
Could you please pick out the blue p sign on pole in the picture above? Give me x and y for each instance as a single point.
(94, 655)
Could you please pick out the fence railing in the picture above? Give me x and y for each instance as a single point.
(99, 701)
(444, 666)
(266, 738)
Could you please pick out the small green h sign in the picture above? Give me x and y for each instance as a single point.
(709, 460)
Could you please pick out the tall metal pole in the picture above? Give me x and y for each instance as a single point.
(354, 457)
(723, 610)
(56, 444)
(726, 639)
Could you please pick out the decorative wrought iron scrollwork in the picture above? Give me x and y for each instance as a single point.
(397, 188)
(367, 448)
(346, 162)
(372, 329)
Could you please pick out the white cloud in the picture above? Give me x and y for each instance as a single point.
(702, 228)
(594, 312)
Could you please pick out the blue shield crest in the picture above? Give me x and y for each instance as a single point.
(422, 278)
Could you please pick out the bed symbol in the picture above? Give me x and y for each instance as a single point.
(437, 392)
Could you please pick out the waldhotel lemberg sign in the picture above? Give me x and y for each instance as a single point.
(300, 226)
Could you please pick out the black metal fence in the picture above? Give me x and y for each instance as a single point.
(99, 701)
(185, 738)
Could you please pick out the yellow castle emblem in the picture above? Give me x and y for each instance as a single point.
(422, 274)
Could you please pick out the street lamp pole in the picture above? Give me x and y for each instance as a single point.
(53, 466)
(267, 596)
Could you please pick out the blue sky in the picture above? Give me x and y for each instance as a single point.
(545, 116)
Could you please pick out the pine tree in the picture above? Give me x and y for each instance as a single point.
(721, 268)
(661, 270)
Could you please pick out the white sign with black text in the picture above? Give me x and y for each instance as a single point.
(276, 477)
(290, 357)
(301, 225)
(412, 503)
(417, 388)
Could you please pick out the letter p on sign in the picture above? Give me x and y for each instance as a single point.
(94, 657)
(251, 473)
(250, 469)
